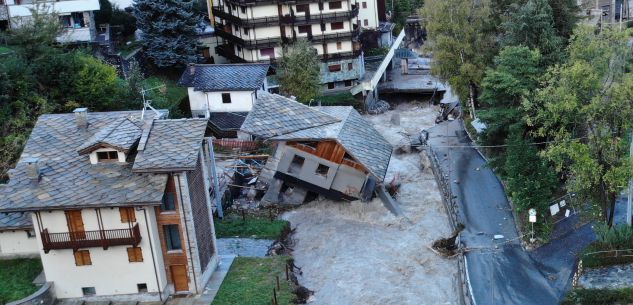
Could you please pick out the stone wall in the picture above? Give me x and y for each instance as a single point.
(44, 296)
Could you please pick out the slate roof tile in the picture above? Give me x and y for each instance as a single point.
(227, 77)
(18, 220)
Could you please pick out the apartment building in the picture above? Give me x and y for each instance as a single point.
(119, 204)
(76, 16)
(258, 31)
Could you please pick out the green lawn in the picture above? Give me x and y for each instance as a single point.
(234, 226)
(250, 281)
(4, 50)
(16, 277)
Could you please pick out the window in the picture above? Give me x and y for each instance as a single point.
(322, 27)
(237, 29)
(339, 45)
(331, 86)
(88, 291)
(127, 215)
(168, 203)
(107, 156)
(65, 21)
(82, 258)
(270, 52)
(296, 164)
(350, 66)
(226, 98)
(305, 29)
(322, 170)
(245, 31)
(303, 8)
(364, 4)
(30, 233)
(334, 5)
(243, 8)
(337, 26)
(348, 83)
(239, 49)
(334, 68)
(366, 22)
(172, 237)
(142, 287)
(320, 6)
(134, 255)
(78, 20)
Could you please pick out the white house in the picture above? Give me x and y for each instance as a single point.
(224, 94)
(76, 16)
(17, 237)
(119, 202)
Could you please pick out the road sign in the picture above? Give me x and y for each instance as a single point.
(532, 213)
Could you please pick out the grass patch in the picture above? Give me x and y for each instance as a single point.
(5, 50)
(253, 227)
(340, 99)
(16, 277)
(599, 296)
(604, 259)
(170, 97)
(250, 281)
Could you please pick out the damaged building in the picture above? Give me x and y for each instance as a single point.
(326, 150)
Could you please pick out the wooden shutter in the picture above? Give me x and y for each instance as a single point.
(134, 254)
(82, 258)
(127, 214)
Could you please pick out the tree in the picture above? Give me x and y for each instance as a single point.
(35, 35)
(585, 108)
(104, 14)
(461, 43)
(566, 15)
(169, 31)
(532, 25)
(515, 74)
(299, 72)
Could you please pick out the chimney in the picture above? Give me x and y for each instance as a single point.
(81, 117)
(192, 69)
(32, 168)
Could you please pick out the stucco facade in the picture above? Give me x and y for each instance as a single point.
(18, 243)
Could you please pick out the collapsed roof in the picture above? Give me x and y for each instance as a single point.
(278, 118)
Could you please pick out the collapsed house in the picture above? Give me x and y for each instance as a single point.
(326, 150)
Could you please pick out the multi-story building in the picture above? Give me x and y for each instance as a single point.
(258, 31)
(76, 16)
(119, 202)
(371, 13)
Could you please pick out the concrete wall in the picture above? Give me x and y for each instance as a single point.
(110, 273)
(370, 14)
(17, 243)
(349, 181)
(241, 101)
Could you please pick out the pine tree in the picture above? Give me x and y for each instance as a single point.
(169, 31)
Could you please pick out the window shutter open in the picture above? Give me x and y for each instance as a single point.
(127, 215)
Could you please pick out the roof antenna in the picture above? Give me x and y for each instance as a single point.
(148, 103)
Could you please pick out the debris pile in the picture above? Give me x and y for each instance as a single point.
(377, 107)
(448, 246)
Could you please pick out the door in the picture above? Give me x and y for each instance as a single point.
(179, 278)
(75, 224)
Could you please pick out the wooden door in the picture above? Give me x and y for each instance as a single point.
(179, 277)
(75, 224)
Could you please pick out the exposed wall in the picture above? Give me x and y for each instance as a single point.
(370, 14)
(17, 243)
(241, 101)
(111, 273)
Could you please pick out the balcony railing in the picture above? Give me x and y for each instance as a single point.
(339, 56)
(266, 2)
(251, 43)
(287, 19)
(89, 239)
(334, 37)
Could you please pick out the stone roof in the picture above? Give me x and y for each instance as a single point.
(172, 145)
(227, 77)
(121, 135)
(359, 138)
(274, 115)
(13, 221)
(69, 180)
(227, 121)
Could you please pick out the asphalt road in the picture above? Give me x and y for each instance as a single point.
(500, 270)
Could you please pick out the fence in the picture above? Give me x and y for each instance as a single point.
(44, 296)
(451, 208)
(241, 145)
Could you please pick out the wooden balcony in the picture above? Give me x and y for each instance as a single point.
(90, 239)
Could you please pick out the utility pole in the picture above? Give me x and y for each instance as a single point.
(216, 184)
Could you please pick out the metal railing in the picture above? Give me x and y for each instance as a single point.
(254, 43)
(286, 19)
(89, 239)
